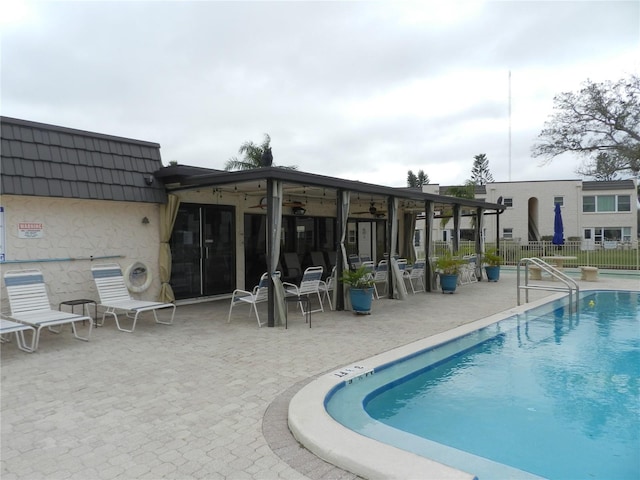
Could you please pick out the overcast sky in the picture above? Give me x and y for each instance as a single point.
(358, 90)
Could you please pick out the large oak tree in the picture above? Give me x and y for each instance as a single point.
(600, 122)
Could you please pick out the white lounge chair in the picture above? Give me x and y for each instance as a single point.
(29, 304)
(115, 297)
(259, 294)
(309, 285)
(7, 327)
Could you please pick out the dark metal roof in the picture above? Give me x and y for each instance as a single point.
(609, 185)
(50, 161)
(178, 178)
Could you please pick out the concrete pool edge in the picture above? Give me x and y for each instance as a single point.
(317, 431)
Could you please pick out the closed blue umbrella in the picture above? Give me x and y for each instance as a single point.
(558, 229)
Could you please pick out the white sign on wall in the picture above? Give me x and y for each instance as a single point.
(30, 230)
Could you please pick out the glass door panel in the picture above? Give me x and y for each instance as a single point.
(203, 257)
(218, 250)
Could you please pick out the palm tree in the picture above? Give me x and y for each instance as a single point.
(252, 156)
(459, 191)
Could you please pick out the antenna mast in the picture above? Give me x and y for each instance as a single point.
(509, 125)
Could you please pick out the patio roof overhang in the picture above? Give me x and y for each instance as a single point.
(253, 182)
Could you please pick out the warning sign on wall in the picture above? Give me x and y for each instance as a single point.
(30, 230)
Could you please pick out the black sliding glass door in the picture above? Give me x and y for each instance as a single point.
(202, 248)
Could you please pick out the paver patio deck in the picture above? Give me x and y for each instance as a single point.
(203, 398)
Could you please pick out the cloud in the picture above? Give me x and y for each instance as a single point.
(363, 90)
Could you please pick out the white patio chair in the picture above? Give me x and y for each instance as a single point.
(415, 277)
(29, 304)
(259, 294)
(381, 275)
(354, 261)
(309, 285)
(370, 267)
(317, 260)
(327, 286)
(7, 327)
(468, 271)
(114, 297)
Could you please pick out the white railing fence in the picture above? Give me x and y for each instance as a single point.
(609, 255)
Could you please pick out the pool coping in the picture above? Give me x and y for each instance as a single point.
(317, 431)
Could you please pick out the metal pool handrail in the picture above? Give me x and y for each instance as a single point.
(570, 284)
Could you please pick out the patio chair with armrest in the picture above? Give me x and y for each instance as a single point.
(370, 268)
(354, 261)
(309, 285)
(114, 297)
(415, 277)
(29, 305)
(259, 294)
(331, 260)
(468, 270)
(292, 264)
(317, 260)
(381, 275)
(327, 286)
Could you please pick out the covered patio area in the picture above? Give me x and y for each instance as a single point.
(274, 210)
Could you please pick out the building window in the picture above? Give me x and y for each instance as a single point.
(608, 234)
(559, 200)
(588, 204)
(606, 203)
(624, 203)
(507, 233)
(508, 202)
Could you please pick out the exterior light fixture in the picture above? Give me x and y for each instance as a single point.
(298, 210)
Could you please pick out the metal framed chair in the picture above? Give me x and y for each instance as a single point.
(259, 294)
(327, 286)
(309, 285)
(381, 276)
(415, 277)
(468, 271)
(354, 261)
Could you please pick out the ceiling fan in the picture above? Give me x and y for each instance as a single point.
(263, 204)
(373, 211)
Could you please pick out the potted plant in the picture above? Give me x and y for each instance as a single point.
(448, 267)
(492, 263)
(360, 282)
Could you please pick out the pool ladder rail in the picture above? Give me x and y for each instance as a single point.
(569, 284)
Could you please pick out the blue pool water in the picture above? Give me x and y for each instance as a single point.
(549, 392)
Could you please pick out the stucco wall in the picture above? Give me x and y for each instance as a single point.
(79, 229)
(543, 192)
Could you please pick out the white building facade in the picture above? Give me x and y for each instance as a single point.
(598, 214)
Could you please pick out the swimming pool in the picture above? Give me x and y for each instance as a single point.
(461, 401)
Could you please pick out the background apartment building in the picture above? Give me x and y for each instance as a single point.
(599, 214)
